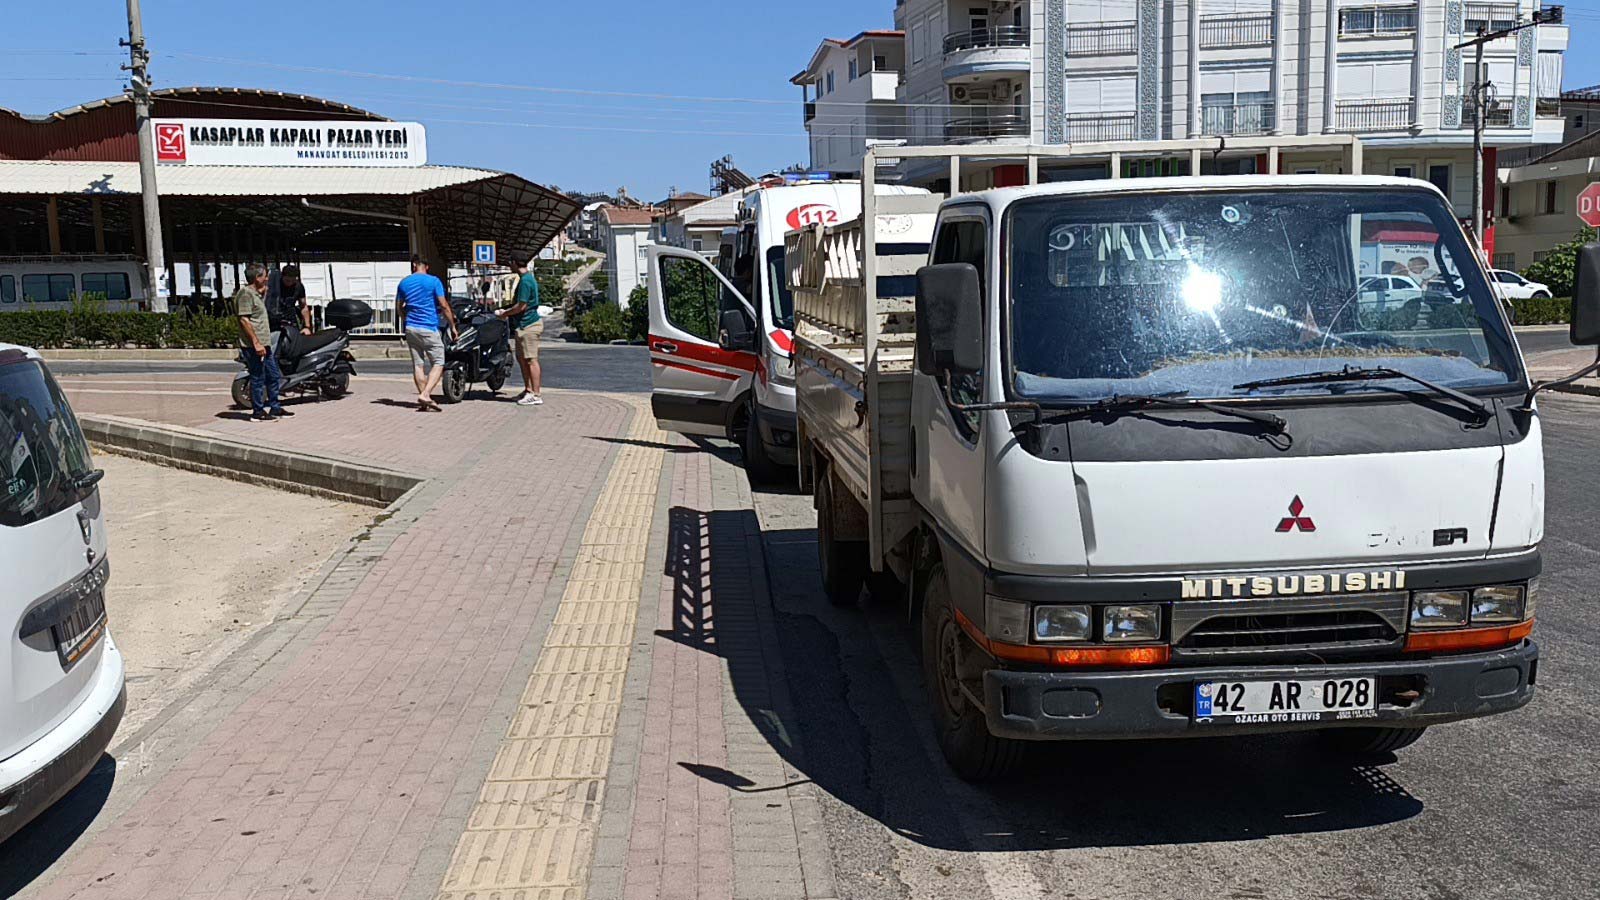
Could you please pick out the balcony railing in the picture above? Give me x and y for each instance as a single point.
(1490, 17)
(1109, 39)
(1244, 118)
(1496, 113)
(1377, 21)
(1373, 115)
(986, 38)
(1095, 127)
(982, 127)
(1547, 107)
(1235, 31)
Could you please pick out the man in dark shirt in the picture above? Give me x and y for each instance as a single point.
(288, 303)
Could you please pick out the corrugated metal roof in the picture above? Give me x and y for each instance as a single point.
(33, 177)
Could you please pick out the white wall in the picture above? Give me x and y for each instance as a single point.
(626, 265)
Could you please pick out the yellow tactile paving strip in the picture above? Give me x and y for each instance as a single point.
(531, 833)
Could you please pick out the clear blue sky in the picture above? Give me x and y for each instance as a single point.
(716, 48)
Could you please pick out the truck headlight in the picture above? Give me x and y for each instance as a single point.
(1052, 624)
(1005, 620)
(1127, 624)
(1439, 609)
(1498, 605)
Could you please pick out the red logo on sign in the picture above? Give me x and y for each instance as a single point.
(1589, 205)
(813, 214)
(170, 143)
(1296, 520)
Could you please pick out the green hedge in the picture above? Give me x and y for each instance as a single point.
(602, 325)
(85, 327)
(1543, 311)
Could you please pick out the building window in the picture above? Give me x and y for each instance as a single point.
(830, 81)
(699, 245)
(855, 70)
(1541, 255)
(1369, 21)
(1552, 202)
(1505, 260)
(1490, 17)
(1439, 177)
(1505, 201)
(1405, 171)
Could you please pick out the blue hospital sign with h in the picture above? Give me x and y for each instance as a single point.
(483, 252)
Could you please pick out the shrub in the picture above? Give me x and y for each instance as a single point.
(1557, 269)
(1543, 311)
(86, 325)
(602, 325)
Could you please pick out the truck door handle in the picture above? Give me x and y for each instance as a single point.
(664, 347)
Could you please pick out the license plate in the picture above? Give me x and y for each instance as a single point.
(81, 629)
(1286, 701)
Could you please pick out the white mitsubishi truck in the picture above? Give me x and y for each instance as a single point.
(1143, 459)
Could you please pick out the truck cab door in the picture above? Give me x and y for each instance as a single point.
(696, 383)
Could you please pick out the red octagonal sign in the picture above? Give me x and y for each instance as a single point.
(1589, 205)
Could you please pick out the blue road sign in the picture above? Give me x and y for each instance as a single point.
(483, 253)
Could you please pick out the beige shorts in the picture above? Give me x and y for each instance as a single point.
(528, 342)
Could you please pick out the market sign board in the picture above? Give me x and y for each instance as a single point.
(1589, 205)
(279, 142)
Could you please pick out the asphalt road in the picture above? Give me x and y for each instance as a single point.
(1538, 339)
(1500, 808)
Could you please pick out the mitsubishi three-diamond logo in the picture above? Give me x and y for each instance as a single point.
(1296, 520)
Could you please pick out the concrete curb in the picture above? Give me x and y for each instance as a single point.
(209, 454)
(384, 350)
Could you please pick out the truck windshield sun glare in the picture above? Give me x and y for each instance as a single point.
(1223, 294)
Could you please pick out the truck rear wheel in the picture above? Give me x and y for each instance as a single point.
(844, 563)
(947, 662)
(1370, 741)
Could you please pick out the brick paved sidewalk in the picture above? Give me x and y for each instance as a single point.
(547, 675)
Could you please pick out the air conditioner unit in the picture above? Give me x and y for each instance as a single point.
(959, 93)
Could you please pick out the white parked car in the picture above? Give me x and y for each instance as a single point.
(1514, 287)
(61, 677)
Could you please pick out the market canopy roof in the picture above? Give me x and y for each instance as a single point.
(456, 205)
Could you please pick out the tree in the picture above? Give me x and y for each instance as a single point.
(1557, 269)
(639, 313)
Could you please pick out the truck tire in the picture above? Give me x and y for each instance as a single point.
(843, 563)
(1370, 741)
(964, 737)
(757, 464)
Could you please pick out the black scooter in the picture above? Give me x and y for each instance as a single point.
(481, 352)
(319, 363)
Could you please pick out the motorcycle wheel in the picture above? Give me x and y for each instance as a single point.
(336, 386)
(498, 379)
(454, 385)
(241, 393)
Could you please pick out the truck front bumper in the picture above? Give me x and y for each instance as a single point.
(1158, 703)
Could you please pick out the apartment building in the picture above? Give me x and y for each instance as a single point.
(1539, 202)
(1092, 71)
(850, 91)
(624, 236)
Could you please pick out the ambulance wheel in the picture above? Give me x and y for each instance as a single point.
(951, 668)
(843, 563)
(1370, 741)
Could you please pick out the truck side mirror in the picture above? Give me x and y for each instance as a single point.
(949, 319)
(735, 332)
(1586, 298)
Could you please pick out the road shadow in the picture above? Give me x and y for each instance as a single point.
(649, 445)
(31, 852)
(857, 725)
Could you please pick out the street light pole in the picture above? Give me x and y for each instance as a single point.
(139, 82)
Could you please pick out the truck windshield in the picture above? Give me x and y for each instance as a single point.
(1199, 292)
(778, 289)
(43, 458)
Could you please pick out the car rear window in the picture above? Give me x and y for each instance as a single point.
(43, 456)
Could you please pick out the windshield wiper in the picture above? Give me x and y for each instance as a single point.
(1378, 373)
(1122, 403)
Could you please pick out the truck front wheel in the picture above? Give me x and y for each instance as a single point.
(1370, 741)
(947, 661)
(843, 563)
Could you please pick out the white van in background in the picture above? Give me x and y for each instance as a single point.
(741, 386)
(61, 676)
(51, 282)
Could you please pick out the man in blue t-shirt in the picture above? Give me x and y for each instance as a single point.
(523, 316)
(418, 304)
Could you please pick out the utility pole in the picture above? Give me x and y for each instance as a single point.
(1482, 91)
(139, 84)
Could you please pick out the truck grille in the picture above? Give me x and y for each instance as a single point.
(1279, 626)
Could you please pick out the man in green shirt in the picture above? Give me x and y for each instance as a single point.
(255, 339)
(523, 315)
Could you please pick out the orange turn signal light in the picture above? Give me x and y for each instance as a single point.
(1467, 639)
